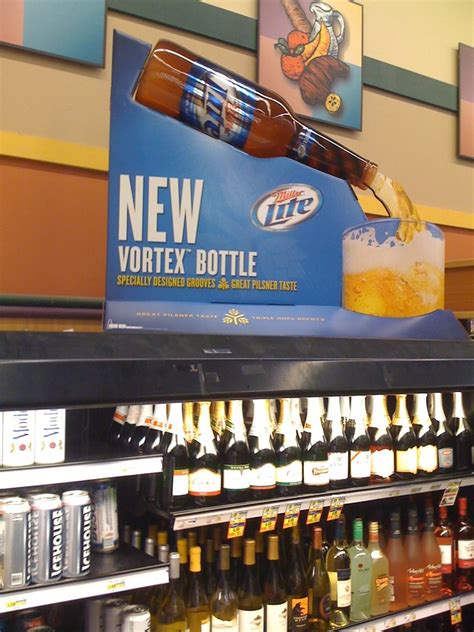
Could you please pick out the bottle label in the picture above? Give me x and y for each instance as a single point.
(290, 474)
(120, 414)
(466, 553)
(316, 473)
(276, 617)
(263, 477)
(407, 460)
(343, 588)
(298, 614)
(236, 476)
(416, 582)
(204, 482)
(446, 457)
(180, 482)
(382, 463)
(228, 626)
(302, 148)
(381, 582)
(427, 458)
(391, 583)
(360, 464)
(217, 105)
(432, 578)
(338, 465)
(251, 620)
(446, 555)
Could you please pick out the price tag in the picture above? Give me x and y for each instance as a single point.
(392, 623)
(119, 584)
(315, 511)
(14, 604)
(450, 494)
(335, 508)
(411, 616)
(269, 518)
(292, 513)
(236, 524)
(435, 486)
(455, 610)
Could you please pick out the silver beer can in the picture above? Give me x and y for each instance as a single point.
(95, 615)
(46, 538)
(15, 542)
(113, 614)
(105, 534)
(77, 510)
(136, 618)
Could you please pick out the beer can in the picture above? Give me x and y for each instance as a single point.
(137, 539)
(105, 534)
(46, 538)
(136, 618)
(113, 614)
(18, 438)
(29, 620)
(95, 615)
(77, 510)
(50, 439)
(15, 542)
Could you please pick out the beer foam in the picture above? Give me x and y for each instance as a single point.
(362, 252)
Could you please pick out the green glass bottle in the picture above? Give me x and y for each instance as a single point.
(250, 592)
(171, 616)
(319, 587)
(361, 572)
(224, 602)
(196, 601)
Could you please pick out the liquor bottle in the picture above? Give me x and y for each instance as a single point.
(415, 562)
(462, 435)
(380, 584)
(404, 441)
(204, 464)
(319, 589)
(432, 557)
(359, 444)
(382, 461)
(218, 102)
(209, 568)
(171, 616)
(338, 449)
(129, 426)
(259, 557)
(137, 442)
(155, 431)
(274, 593)
(296, 417)
(397, 565)
(175, 475)
(235, 456)
(296, 585)
(347, 426)
(427, 453)
(251, 616)
(262, 452)
(182, 546)
(188, 422)
(444, 537)
(315, 454)
(339, 570)
(444, 437)
(464, 533)
(116, 427)
(192, 540)
(196, 601)
(224, 602)
(159, 591)
(218, 420)
(361, 575)
(289, 464)
(235, 571)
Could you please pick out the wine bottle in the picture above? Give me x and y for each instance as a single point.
(361, 575)
(464, 532)
(116, 427)
(217, 536)
(382, 461)
(359, 443)
(209, 568)
(188, 422)
(247, 410)
(192, 540)
(129, 426)
(462, 435)
(296, 418)
(432, 557)
(379, 586)
(171, 616)
(315, 454)
(156, 429)
(319, 590)
(347, 426)
(251, 616)
(404, 441)
(175, 476)
(259, 557)
(224, 601)
(296, 585)
(274, 593)
(415, 562)
(218, 420)
(235, 456)
(339, 570)
(235, 570)
(397, 564)
(196, 601)
(289, 464)
(427, 453)
(262, 452)
(338, 449)
(444, 537)
(204, 464)
(137, 442)
(158, 592)
(444, 436)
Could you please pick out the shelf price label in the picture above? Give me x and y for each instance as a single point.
(450, 494)
(315, 511)
(269, 519)
(15, 604)
(335, 508)
(114, 585)
(455, 611)
(292, 514)
(236, 524)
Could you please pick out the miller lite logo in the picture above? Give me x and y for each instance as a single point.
(286, 207)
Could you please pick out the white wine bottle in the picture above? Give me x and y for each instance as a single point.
(380, 584)
(224, 602)
(339, 570)
(171, 616)
(251, 615)
(274, 593)
(196, 601)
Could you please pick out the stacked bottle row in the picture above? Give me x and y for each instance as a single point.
(274, 583)
(216, 453)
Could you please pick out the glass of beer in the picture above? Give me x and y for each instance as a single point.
(393, 269)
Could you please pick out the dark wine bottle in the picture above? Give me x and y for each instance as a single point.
(262, 452)
(251, 616)
(205, 484)
(296, 418)
(426, 437)
(235, 456)
(218, 420)
(209, 568)
(137, 442)
(444, 436)
(404, 441)
(338, 449)
(463, 436)
(235, 563)
(347, 425)
(155, 431)
(339, 570)
(129, 426)
(175, 475)
(319, 590)
(382, 461)
(359, 444)
(315, 454)
(289, 464)
(188, 422)
(296, 585)
(274, 594)
(116, 427)
(259, 558)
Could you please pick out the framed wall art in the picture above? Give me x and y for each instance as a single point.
(466, 102)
